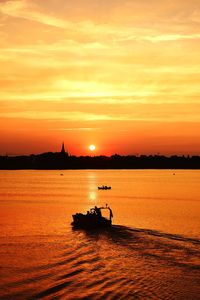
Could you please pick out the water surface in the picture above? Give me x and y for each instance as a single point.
(151, 252)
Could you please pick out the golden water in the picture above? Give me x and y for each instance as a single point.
(151, 252)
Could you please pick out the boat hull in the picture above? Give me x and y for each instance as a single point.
(104, 188)
(90, 221)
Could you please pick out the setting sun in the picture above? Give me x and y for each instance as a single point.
(92, 147)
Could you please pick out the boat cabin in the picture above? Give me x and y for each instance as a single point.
(93, 218)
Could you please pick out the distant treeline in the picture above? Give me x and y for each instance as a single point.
(63, 161)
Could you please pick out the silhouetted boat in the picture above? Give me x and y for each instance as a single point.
(93, 219)
(104, 187)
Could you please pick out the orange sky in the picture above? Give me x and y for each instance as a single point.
(123, 75)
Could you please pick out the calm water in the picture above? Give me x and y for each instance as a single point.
(151, 252)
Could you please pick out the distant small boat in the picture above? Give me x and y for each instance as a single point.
(93, 219)
(104, 187)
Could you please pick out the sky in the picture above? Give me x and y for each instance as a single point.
(120, 74)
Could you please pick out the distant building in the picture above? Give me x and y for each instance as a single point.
(63, 148)
(63, 152)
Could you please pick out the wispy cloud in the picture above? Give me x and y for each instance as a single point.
(172, 37)
(79, 129)
(174, 112)
(27, 10)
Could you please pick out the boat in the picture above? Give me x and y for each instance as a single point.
(93, 218)
(104, 187)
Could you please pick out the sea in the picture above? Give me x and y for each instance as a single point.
(152, 251)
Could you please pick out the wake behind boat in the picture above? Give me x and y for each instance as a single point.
(92, 219)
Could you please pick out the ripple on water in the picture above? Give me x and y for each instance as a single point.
(121, 263)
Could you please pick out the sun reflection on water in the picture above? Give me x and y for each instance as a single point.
(92, 187)
(92, 196)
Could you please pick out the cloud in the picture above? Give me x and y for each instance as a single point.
(79, 129)
(95, 113)
(81, 55)
(172, 37)
(27, 10)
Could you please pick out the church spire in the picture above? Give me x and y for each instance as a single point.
(63, 148)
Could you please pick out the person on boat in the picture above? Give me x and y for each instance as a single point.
(111, 214)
